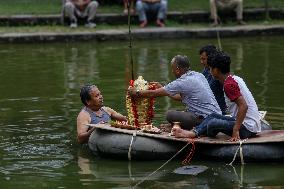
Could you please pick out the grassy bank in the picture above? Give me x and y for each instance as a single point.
(13, 7)
(63, 29)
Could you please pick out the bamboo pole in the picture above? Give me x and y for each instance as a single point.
(267, 17)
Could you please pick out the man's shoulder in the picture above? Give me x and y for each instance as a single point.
(83, 114)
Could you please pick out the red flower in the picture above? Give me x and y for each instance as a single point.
(131, 83)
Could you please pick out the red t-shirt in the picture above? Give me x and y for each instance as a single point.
(232, 89)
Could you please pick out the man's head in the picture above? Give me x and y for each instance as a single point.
(219, 63)
(205, 52)
(91, 96)
(180, 65)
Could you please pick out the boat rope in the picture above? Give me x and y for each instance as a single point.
(145, 178)
(241, 177)
(241, 153)
(130, 39)
(187, 160)
(130, 145)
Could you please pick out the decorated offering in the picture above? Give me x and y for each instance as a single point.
(140, 110)
(121, 124)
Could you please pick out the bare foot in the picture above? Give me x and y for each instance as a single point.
(181, 133)
(125, 11)
(143, 24)
(214, 24)
(241, 22)
(160, 23)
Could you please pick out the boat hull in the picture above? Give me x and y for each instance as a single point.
(116, 145)
(110, 142)
(250, 152)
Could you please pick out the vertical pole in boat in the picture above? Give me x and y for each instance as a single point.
(267, 17)
(130, 39)
(219, 39)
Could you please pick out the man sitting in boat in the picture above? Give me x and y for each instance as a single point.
(245, 120)
(94, 112)
(191, 88)
(215, 85)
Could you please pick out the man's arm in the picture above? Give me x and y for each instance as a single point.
(158, 85)
(115, 115)
(242, 110)
(148, 93)
(83, 133)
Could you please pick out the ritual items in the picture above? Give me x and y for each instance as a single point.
(140, 110)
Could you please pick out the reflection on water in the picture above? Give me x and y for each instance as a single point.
(122, 174)
(39, 102)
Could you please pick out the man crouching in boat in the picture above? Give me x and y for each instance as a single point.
(94, 112)
(245, 118)
(189, 87)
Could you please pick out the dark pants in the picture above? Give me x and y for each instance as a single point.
(215, 123)
(187, 120)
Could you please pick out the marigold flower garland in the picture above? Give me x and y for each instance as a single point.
(140, 110)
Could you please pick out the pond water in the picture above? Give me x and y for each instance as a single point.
(39, 102)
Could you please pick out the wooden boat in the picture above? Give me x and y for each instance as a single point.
(110, 142)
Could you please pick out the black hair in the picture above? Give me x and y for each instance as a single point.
(182, 62)
(85, 93)
(208, 49)
(220, 60)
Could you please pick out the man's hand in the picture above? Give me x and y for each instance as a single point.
(235, 136)
(157, 85)
(132, 92)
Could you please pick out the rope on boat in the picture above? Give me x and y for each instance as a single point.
(145, 178)
(241, 153)
(187, 160)
(130, 145)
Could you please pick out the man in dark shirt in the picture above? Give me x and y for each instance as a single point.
(215, 85)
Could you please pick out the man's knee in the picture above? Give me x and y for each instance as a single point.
(211, 127)
(139, 6)
(93, 4)
(170, 115)
(164, 4)
(69, 5)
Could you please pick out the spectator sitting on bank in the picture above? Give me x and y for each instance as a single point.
(131, 4)
(81, 9)
(157, 8)
(226, 5)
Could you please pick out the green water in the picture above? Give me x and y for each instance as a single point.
(39, 102)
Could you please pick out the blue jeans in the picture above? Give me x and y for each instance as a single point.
(215, 123)
(159, 9)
